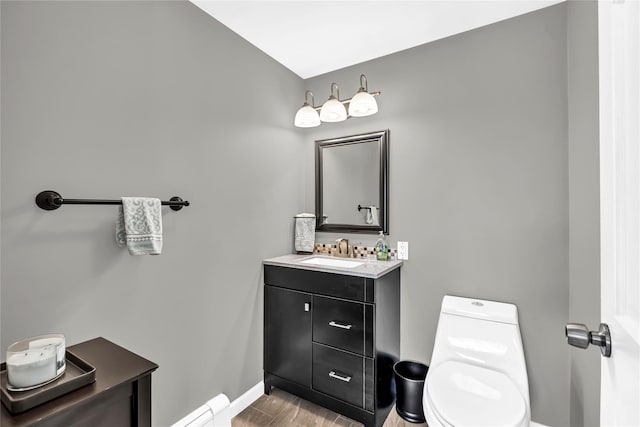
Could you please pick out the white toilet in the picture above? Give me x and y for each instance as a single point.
(478, 375)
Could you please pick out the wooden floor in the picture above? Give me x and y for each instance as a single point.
(284, 409)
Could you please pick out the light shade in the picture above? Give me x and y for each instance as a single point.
(363, 104)
(333, 111)
(307, 117)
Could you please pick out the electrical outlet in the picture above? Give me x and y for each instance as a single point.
(403, 250)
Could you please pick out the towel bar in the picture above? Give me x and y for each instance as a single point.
(50, 200)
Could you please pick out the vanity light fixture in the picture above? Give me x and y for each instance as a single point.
(334, 109)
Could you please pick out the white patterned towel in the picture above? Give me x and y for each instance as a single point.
(139, 225)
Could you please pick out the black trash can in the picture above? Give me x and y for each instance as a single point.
(410, 378)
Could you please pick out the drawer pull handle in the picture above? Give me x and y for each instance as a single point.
(344, 378)
(339, 325)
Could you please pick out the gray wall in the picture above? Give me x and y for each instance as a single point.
(107, 99)
(584, 205)
(478, 182)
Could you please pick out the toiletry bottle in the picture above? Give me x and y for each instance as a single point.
(382, 249)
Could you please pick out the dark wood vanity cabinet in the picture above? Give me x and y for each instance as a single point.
(333, 339)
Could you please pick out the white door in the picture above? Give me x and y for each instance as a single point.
(619, 51)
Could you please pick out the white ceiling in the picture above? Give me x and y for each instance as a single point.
(316, 37)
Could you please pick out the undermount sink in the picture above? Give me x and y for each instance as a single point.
(331, 262)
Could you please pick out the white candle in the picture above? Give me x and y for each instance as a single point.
(31, 367)
(56, 342)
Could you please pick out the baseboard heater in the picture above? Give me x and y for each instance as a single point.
(215, 413)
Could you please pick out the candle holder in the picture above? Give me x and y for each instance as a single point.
(34, 362)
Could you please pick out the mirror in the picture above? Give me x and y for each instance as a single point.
(352, 183)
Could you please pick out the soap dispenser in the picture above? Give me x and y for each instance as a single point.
(382, 248)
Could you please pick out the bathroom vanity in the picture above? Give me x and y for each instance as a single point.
(332, 332)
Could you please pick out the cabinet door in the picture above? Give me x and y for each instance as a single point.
(287, 334)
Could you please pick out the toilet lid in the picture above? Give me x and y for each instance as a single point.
(468, 395)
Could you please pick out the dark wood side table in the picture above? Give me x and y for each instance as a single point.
(120, 396)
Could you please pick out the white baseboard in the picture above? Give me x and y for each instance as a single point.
(535, 424)
(247, 398)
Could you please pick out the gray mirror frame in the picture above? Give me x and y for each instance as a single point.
(383, 138)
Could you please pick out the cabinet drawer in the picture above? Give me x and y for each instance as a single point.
(343, 324)
(339, 374)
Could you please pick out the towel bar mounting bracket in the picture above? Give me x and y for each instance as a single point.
(47, 200)
(176, 207)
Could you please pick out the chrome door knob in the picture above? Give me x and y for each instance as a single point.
(578, 335)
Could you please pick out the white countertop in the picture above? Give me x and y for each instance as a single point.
(368, 267)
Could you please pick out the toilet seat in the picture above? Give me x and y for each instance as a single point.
(460, 394)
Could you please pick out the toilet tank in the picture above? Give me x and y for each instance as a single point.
(482, 333)
(480, 309)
